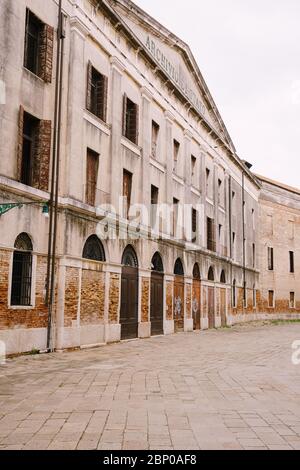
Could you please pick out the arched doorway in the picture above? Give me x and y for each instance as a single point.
(196, 302)
(129, 294)
(178, 296)
(211, 299)
(157, 296)
(223, 299)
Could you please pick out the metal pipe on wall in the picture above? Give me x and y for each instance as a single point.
(50, 283)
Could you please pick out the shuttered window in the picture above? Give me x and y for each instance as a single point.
(127, 188)
(211, 243)
(194, 225)
(130, 120)
(97, 89)
(270, 259)
(92, 164)
(38, 49)
(34, 148)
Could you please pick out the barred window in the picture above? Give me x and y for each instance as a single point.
(130, 120)
(97, 89)
(22, 272)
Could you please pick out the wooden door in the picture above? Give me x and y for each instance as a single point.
(211, 307)
(223, 306)
(178, 304)
(196, 304)
(157, 304)
(129, 303)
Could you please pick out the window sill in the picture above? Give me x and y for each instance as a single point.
(97, 122)
(32, 75)
(178, 179)
(154, 162)
(21, 307)
(131, 146)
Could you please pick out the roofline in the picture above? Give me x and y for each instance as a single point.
(278, 184)
(106, 5)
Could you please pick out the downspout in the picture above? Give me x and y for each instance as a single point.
(50, 286)
(244, 240)
(230, 232)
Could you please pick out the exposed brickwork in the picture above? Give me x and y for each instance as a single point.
(71, 295)
(46, 53)
(145, 299)
(169, 300)
(92, 297)
(188, 301)
(36, 317)
(114, 294)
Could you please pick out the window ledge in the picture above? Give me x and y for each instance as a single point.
(23, 189)
(32, 75)
(21, 307)
(157, 165)
(178, 179)
(195, 191)
(97, 122)
(131, 146)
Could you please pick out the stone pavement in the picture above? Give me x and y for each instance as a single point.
(227, 389)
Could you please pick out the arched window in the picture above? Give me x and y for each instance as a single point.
(178, 268)
(234, 294)
(211, 274)
(129, 257)
(157, 264)
(93, 249)
(223, 277)
(22, 272)
(196, 272)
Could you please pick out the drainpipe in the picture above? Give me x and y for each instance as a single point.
(53, 203)
(244, 240)
(230, 231)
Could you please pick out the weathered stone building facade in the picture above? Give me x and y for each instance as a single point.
(139, 127)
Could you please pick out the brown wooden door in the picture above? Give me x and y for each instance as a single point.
(178, 307)
(211, 307)
(157, 304)
(129, 303)
(196, 304)
(223, 306)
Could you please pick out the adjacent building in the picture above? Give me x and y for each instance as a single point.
(159, 220)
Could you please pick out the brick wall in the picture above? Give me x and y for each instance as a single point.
(36, 317)
(145, 299)
(71, 295)
(92, 297)
(114, 294)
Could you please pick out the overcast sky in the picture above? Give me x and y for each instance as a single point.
(249, 54)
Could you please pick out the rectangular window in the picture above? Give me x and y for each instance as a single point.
(292, 262)
(175, 217)
(38, 50)
(92, 164)
(233, 244)
(207, 180)
(127, 188)
(271, 299)
(270, 259)
(176, 149)
(253, 255)
(34, 151)
(254, 297)
(155, 134)
(194, 225)
(97, 88)
(130, 120)
(193, 166)
(292, 299)
(211, 243)
(220, 185)
(154, 203)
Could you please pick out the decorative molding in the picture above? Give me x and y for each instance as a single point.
(117, 65)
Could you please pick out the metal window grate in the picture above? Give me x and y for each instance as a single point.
(21, 279)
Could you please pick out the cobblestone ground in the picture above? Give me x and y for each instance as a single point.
(228, 389)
